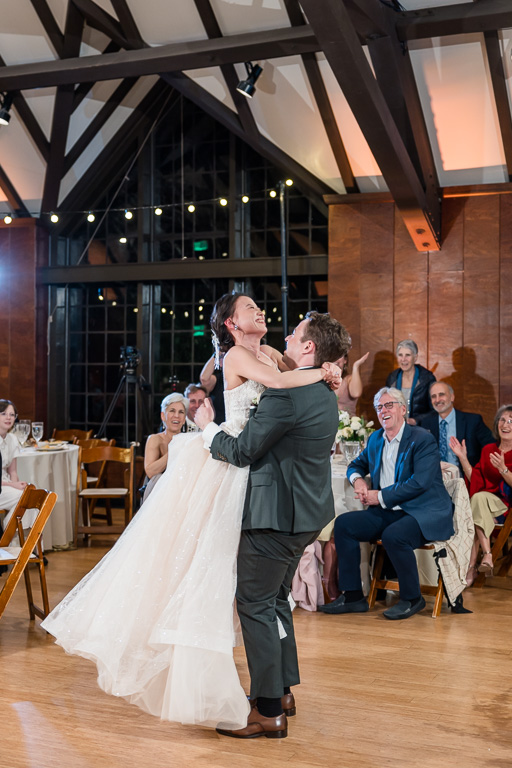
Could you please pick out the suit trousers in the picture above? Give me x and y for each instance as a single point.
(267, 561)
(400, 534)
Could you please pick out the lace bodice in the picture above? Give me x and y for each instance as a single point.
(238, 402)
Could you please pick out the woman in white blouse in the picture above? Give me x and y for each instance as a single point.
(12, 486)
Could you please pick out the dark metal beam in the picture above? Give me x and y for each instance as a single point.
(62, 108)
(128, 25)
(181, 270)
(83, 89)
(499, 84)
(323, 102)
(481, 16)
(99, 19)
(51, 27)
(13, 198)
(331, 23)
(164, 58)
(99, 121)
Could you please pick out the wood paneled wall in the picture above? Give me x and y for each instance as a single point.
(23, 317)
(455, 303)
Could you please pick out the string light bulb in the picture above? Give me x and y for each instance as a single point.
(191, 208)
(128, 214)
(158, 211)
(7, 219)
(123, 240)
(289, 182)
(54, 218)
(273, 193)
(91, 217)
(223, 202)
(245, 198)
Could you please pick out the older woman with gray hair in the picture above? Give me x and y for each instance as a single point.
(174, 409)
(413, 380)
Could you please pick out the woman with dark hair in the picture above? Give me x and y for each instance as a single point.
(413, 380)
(12, 486)
(156, 615)
(490, 488)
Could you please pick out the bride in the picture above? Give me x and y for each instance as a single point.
(156, 615)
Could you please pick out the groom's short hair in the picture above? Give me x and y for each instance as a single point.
(331, 338)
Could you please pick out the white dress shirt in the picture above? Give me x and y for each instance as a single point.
(388, 464)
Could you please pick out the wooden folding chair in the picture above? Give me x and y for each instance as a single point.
(380, 583)
(23, 555)
(498, 545)
(71, 434)
(95, 480)
(87, 498)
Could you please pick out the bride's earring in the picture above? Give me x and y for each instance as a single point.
(235, 327)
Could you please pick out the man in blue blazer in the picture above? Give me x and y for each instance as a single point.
(407, 507)
(468, 428)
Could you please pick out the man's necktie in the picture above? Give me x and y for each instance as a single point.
(443, 440)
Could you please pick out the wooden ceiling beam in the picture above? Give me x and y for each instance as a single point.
(128, 25)
(62, 109)
(29, 121)
(499, 84)
(99, 19)
(83, 89)
(97, 124)
(465, 18)
(276, 43)
(13, 198)
(331, 23)
(51, 27)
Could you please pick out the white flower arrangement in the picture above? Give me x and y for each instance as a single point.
(353, 428)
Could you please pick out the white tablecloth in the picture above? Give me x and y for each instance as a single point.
(55, 471)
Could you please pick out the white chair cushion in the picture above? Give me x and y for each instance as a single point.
(103, 492)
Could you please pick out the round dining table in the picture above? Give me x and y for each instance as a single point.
(55, 471)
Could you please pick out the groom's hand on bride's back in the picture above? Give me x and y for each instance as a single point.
(332, 375)
(204, 414)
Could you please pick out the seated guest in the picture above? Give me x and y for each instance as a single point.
(351, 387)
(468, 428)
(173, 414)
(408, 507)
(490, 490)
(212, 379)
(413, 380)
(196, 395)
(12, 487)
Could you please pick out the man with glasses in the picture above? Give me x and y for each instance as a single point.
(408, 506)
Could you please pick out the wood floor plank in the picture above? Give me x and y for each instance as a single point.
(425, 692)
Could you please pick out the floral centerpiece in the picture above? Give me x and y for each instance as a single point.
(353, 428)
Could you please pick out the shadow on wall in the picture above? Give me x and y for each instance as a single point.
(383, 363)
(472, 392)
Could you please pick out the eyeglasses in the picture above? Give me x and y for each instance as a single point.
(386, 406)
(505, 421)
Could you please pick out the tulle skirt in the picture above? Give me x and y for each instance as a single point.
(156, 614)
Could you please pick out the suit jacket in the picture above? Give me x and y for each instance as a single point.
(418, 489)
(420, 397)
(469, 427)
(288, 443)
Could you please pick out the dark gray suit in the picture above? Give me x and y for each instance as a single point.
(289, 500)
(469, 427)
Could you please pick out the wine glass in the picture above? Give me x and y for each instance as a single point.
(23, 430)
(37, 430)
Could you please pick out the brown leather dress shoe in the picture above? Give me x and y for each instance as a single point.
(257, 725)
(287, 702)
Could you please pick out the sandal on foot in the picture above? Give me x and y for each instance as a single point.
(486, 566)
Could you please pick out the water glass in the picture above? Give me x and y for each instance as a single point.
(37, 430)
(23, 430)
(351, 449)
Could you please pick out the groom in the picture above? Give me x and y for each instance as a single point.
(289, 500)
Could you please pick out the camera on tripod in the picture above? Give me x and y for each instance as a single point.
(130, 358)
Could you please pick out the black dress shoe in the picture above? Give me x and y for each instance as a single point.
(340, 606)
(404, 609)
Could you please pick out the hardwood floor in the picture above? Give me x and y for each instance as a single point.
(424, 692)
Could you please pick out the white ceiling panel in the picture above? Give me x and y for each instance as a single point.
(239, 16)
(167, 21)
(460, 111)
(22, 37)
(212, 80)
(88, 109)
(59, 9)
(285, 111)
(41, 101)
(22, 163)
(362, 161)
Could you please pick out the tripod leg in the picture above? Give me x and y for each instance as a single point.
(110, 410)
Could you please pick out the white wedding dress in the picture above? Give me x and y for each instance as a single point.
(156, 615)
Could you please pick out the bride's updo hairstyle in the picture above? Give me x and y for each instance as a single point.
(222, 311)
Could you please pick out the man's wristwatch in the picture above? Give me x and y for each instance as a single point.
(504, 471)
